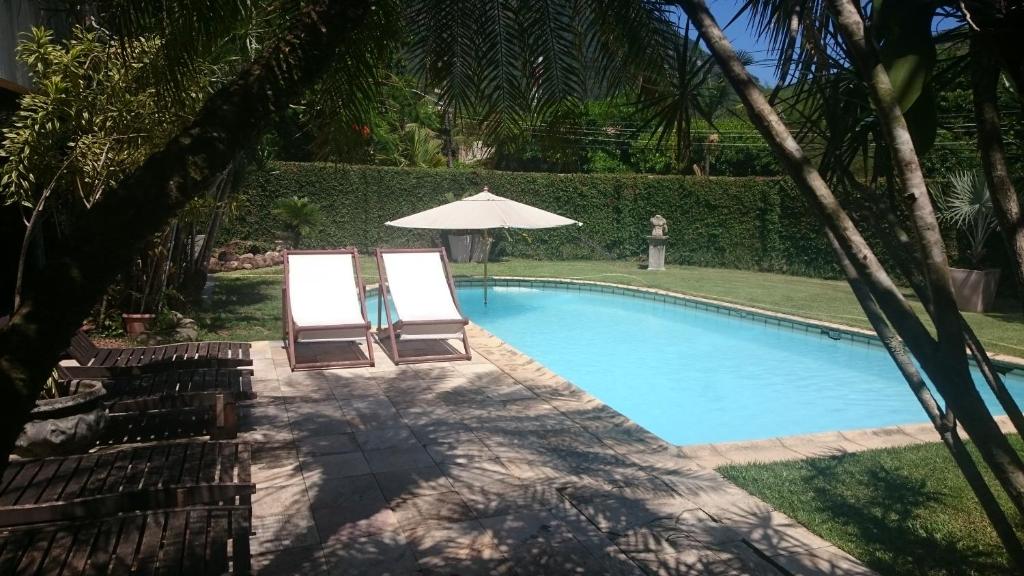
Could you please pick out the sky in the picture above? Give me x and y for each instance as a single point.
(742, 38)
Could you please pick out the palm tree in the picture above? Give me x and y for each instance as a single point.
(688, 85)
(979, 37)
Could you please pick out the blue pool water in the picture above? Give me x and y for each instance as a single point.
(692, 376)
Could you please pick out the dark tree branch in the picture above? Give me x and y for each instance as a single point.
(984, 81)
(110, 234)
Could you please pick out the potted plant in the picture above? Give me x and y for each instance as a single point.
(966, 205)
(461, 243)
(136, 325)
(68, 418)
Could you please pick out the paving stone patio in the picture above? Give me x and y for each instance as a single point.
(498, 466)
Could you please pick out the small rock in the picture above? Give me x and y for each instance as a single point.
(231, 265)
(247, 266)
(186, 334)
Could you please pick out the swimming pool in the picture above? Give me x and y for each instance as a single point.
(693, 376)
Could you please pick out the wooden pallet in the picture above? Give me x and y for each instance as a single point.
(176, 383)
(142, 359)
(116, 481)
(198, 540)
(171, 404)
(134, 427)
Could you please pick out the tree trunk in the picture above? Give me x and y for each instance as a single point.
(196, 270)
(1001, 21)
(684, 130)
(948, 367)
(107, 238)
(949, 373)
(945, 427)
(900, 247)
(984, 81)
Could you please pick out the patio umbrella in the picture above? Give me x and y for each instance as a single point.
(483, 211)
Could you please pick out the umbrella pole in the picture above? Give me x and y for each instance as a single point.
(487, 256)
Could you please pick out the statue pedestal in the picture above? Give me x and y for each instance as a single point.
(656, 252)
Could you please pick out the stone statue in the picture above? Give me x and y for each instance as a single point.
(660, 225)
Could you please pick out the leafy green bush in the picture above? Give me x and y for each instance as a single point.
(743, 223)
(297, 216)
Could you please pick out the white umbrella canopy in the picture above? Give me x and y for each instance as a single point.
(483, 211)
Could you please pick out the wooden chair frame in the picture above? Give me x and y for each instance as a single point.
(291, 330)
(137, 393)
(97, 484)
(147, 359)
(393, 329)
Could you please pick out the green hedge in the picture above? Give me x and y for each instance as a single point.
(745, 223)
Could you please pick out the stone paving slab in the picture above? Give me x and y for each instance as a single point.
(498, 466)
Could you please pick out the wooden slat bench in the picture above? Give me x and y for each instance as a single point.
(143, 359)
(237, 382)
(174, 403)
(198, 540)
(127, 479)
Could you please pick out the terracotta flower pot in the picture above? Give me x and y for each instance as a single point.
(975, 290)
(136, 324)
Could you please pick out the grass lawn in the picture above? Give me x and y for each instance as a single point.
(246, 305)
(899, 510)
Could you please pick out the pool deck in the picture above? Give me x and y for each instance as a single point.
(499, 466)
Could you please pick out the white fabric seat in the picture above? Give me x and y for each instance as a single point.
(425, 304)
(325, 300)
(323, 292)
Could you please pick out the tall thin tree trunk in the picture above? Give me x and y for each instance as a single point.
(107, 238)
(946, 366)
(684, 129)
(900, 247)
(951, 371)
(196, 270)
(984, 81)
(944, 426)
(449, 144)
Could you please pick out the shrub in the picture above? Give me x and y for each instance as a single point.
(744, 223)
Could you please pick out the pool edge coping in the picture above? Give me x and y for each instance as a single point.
(549, 385)
(854, 334)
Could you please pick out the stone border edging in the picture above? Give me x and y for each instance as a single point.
(857, 335)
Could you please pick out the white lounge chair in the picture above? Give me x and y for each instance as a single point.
(324, 300)
(419, 284)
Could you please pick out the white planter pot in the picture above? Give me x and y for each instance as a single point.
(460, 247)
(975, 290)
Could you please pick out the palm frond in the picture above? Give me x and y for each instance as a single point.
(192, 32)
(505, 63)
